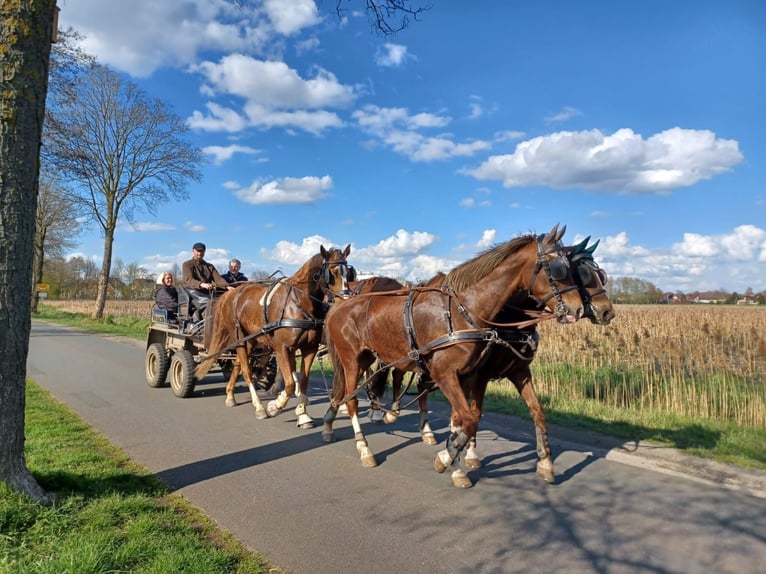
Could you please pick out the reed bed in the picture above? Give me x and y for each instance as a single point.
(690, 360)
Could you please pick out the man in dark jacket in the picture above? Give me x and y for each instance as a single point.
(200, 279)
(234, 275)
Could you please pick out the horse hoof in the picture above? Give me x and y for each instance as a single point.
(545, 470)
(231, 402)
(309, 425)
(328, 436)
(442, 461)
(461, 480)
(472, 463)
(429, 439)
(390, 417)
(273, 409)
(368, 461)
(261, 414)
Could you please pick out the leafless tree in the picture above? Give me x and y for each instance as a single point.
(56, 228)
(122, 151)
(386, 17)
(25, 36)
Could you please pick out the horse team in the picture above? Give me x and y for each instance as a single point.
(457, 331)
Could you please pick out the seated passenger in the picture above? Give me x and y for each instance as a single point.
(166, 296)
(201, 278)
(233, 275)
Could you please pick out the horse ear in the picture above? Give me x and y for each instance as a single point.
(346, 251)
(323, 251)
(580, 247)
(561, 233)
(592, 248)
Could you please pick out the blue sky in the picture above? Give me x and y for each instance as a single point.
(638, 123)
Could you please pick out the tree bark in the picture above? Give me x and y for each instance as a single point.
(103, 277)
(25, 35)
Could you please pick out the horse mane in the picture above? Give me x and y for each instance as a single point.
(469, 273)
(310, 268)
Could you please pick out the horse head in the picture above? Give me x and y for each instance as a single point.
(591, 282)
(335, 273)
(561, 293)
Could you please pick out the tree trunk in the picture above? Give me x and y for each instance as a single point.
(37, 263)
(103, 277)
(25, 36)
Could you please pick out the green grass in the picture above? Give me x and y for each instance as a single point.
(705, 437)
(108, 514)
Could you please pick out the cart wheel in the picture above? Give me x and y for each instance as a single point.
(157, 363)
(182, 374)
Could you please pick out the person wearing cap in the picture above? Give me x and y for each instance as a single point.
(234, 275)
(200, 278)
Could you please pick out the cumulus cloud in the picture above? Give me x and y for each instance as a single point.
(397, 129)
(294, 254)
(623, 161)
(391, 55)
(273, 93)
(141, 36)
(309, 189)
(695, 263)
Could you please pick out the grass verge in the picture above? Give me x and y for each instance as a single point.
(108, 514)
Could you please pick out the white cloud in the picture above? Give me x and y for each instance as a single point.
(397, 129)
(487, 238)
(195, 227)
(391, 55)
(566, 113)
(291, 17)
(622, 162)
(140, 36)
(293, 254)
(307, 189)
(147, 226)
(223, 153)
(274, 95)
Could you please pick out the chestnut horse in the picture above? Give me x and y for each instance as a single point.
(377, 377)
(512, 359)
(445, 332)
(286, 317)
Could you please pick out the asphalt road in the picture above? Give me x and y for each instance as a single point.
(311, 507)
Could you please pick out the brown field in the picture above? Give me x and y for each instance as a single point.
(696, 360)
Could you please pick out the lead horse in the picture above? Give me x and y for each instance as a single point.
(445, 332)
(286, 317)
(512, 360)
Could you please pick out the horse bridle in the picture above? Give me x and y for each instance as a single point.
(581, 258)
(323, 276)
(555, 270)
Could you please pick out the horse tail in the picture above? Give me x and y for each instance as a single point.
(219, 338)
(338, 379)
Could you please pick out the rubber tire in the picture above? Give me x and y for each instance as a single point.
(157, 365)
(182, 374)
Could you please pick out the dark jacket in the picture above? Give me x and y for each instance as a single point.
(230, 277)
(200, 271)
(166, 297)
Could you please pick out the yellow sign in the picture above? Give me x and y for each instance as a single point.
(43, 287)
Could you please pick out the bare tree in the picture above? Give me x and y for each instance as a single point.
(122, 152)
(387, 17)
(56, 227)
(25, 36)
